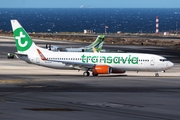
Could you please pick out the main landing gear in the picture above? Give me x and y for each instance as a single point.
(86, 73)
(94, 74)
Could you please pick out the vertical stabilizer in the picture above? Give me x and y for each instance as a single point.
(97, 44)
(24, 43)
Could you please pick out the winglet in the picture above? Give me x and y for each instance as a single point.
(41, 55)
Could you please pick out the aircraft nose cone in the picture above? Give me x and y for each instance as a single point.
(171, 64)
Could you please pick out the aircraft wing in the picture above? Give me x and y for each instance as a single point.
(76, 65)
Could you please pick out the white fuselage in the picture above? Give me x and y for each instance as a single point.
(123, 61)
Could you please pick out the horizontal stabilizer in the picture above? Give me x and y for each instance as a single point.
(20, 54)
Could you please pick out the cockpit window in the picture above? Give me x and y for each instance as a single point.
(163, 60)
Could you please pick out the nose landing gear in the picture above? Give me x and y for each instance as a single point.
(156, 74)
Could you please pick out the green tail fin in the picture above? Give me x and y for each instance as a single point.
(97, 44)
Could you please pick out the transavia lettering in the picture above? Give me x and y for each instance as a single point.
(109, 59)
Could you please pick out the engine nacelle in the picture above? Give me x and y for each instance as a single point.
(102, 69)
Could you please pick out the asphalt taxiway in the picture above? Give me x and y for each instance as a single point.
(32, 92)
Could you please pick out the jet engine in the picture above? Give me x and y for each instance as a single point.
(102, 69)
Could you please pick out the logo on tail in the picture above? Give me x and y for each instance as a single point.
(19, 40)
(23, 41)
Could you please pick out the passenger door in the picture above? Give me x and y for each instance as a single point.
(152, 61)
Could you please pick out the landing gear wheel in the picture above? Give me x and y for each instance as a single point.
(86, 73)
(93, 74)
(156, 74)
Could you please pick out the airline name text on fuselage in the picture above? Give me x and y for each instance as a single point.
(110, 60)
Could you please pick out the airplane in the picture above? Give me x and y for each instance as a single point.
(97, 44)
(97, 63)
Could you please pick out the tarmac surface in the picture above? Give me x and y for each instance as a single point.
(32, 92)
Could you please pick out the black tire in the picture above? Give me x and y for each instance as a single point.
(86, 74)
(93, 74)
(156, 74)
